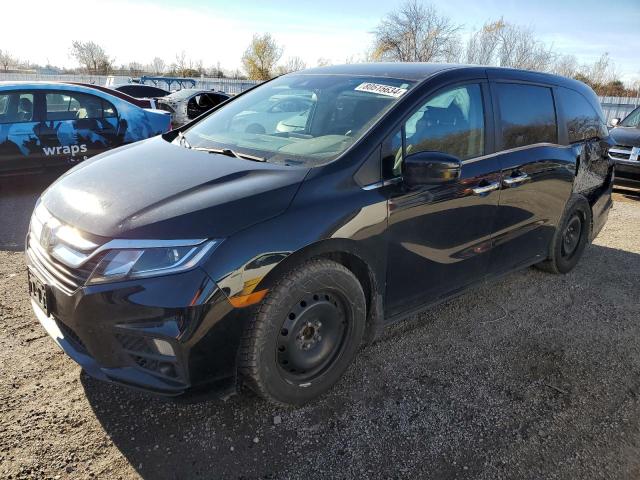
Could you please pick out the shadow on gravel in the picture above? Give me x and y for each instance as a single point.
(18, 196)
(517, 379)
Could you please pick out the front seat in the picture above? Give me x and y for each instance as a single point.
(25, 110)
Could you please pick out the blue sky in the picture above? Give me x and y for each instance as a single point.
(219, 31)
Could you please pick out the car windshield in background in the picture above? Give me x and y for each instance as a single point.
(301, 118)
(632, 120)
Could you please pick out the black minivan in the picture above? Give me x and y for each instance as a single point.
(266, 253)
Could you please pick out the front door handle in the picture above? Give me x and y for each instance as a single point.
(486, 188)
(513, 181)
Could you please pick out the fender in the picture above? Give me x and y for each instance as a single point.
(252, 260)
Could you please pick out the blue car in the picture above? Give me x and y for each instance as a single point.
(47, 124)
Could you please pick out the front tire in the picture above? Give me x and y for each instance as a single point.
(305, 333)
(570, 238)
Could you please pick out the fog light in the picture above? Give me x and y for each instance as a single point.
(167, 369)
(164, 347)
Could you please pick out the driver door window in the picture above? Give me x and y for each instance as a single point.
(451, 122)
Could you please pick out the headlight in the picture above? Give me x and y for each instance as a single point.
(128, 263)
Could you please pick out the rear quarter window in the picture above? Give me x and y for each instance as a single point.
(581, 119)
(527, 115)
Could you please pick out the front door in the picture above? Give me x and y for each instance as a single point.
(440, 236)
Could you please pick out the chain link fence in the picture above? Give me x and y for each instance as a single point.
(227, 85)
(618, 107)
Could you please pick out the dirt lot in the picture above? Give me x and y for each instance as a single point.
(537, 376)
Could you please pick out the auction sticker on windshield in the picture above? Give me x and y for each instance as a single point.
(378, 88)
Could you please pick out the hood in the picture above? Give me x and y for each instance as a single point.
(157, 190)
(629, 136)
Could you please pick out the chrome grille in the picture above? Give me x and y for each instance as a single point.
(624, 153)
(55, 272)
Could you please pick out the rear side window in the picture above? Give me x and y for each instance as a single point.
(527, 115)
(77, 106)
(16, 107)
(582, 121)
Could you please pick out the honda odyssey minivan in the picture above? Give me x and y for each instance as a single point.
(266, 257)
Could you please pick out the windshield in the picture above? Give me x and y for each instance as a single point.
(298, 119)
(632, 120)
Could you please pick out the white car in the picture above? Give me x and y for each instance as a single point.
(273, 115)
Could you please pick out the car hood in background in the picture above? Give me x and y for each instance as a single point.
(629, 136)
(155, 189)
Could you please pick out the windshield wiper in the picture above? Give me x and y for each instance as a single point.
(231, 153)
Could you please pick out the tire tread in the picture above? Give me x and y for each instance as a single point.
(257, 329)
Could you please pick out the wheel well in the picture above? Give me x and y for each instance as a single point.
(351, 261)
(359, 268)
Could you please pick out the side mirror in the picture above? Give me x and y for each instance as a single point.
(615, 122)
(430, 168)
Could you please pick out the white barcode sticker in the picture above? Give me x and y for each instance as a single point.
(380, 89)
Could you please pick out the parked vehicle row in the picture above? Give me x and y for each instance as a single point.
(54, 124)
(266, 256)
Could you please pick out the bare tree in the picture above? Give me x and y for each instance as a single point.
(323, 62)
(483, 44)
(135, 69)
(181, 66)
(199, 67)
(416, 33)
(508, 45)
(92, 57)
(600, 72)
(158, 66)
(565, 65)
(6, 60)
(364, 57)
(261, 56)
(293, 64)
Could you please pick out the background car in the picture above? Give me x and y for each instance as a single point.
(282, 113)
(189, 103)
(626, 153)
(142, 91)
(46, 124)
(140, 102)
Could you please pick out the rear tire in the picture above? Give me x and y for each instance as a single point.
(305, 333)
(570, 238)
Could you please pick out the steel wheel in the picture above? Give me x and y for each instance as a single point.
(305, 333)
(571, 236)
(312, 336)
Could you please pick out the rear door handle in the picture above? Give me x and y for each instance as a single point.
(512, 181)
(486, 188)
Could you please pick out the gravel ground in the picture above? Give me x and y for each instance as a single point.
(536, 376)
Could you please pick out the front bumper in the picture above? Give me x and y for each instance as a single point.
(111, 329)
(627, 173)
